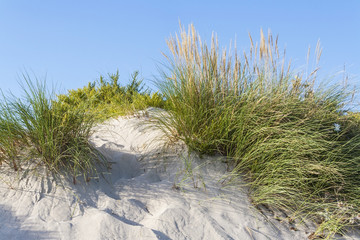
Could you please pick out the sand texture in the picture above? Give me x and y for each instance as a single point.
(149, 193)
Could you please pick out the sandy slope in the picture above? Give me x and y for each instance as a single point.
(148, 195)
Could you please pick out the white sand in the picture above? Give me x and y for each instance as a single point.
(138, 200)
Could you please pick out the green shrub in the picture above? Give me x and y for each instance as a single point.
(107, 98)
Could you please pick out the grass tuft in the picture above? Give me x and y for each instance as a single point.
(54, 136)
(286, 135)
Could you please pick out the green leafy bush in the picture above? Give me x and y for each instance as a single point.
(107, 98)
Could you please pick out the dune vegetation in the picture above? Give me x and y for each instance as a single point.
(290, 137)
(39, 130)
(106, 97)
(45, 129)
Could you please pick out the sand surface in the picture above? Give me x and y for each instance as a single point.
(151, 192)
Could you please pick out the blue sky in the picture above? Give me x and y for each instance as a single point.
(73, 42)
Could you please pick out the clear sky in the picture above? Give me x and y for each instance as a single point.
(72, 42)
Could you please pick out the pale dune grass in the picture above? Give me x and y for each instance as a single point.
(276, 127)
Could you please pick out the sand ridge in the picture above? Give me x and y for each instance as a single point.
(148, 194)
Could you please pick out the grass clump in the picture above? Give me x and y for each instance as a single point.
(277, 128)
(37, 128)
(106, 98)
(54, 130)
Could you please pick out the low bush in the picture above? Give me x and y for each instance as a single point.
(106, 98)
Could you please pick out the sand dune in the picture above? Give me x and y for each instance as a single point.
(148, 194)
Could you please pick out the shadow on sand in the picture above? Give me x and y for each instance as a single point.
(14, 227)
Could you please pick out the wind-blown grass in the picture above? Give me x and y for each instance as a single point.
(276, 127)
(55, 137)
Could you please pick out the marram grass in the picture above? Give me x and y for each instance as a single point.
(292, 141)
(54, 137)
(277, 128)
(53, 130)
